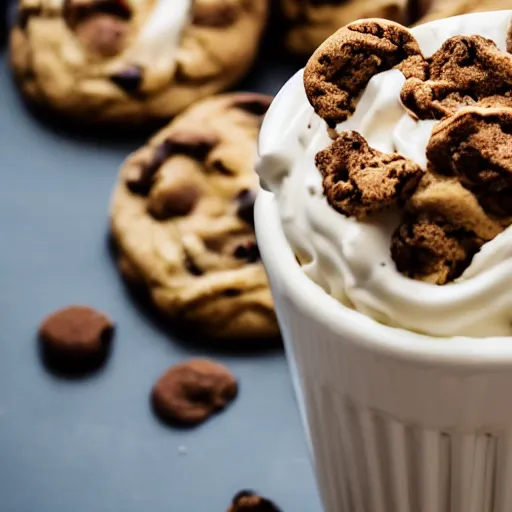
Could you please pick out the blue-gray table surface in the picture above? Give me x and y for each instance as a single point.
(93, 444)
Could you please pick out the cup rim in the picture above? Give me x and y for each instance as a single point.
(353, 326)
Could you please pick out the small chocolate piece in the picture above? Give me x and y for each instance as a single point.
(130, 79)
(193, 144)
(215, 15)
(232, 292)
(192, 267)
(248, 252)
(253, 103)
(25, 13)
(174, 201)
(76, 336)
(141, 182)
(249, 501)
(222, 168)
(189, 393)
(340, 69)
(359, 180)
(102, 34)
(245, 209)
(433, 250)
(76, 11)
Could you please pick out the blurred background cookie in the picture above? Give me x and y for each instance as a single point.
(131, 61)
(431, 10)
(313, 21)
(182, 220)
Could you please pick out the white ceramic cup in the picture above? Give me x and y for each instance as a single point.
(397, 421)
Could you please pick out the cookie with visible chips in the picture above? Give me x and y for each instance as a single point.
(183, 225)
(340, 69)
(121, 61)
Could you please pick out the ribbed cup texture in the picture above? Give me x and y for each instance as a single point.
(393, 435)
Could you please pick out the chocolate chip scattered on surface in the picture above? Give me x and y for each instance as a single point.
(249, 501)
(76, 336)
(189, 393)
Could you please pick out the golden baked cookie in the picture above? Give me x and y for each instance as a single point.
(182, 220)
(130, 61)
(313, 21)
(437, 9)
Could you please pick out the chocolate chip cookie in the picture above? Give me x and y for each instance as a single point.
(182, 219)
(313, 21)
(122, 61)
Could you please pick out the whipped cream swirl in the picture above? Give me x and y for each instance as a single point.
(351, 259)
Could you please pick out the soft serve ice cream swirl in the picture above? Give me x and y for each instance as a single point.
(351, 259)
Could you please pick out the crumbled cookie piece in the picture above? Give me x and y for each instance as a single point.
(76, 337)
(342, 66)
(465, 70)
(443, 196)
(249, 501)
(189, 393)
(474, 146)
(359, 180)
(431, 249)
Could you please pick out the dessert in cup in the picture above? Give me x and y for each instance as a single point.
(385, 232)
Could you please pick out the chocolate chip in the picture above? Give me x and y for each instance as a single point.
(192, 267)
(189, 393)
(231, 292)
(75, 11)
(76, 336)
(256, 104)
(130, 79)
(141, 183)
(25, 13)
(248, 252)
(249, 501)
(185, 143)
(196, 145)
(245, 208)
(174, 202)
(215, 15)
(221, 167)
(102, 34)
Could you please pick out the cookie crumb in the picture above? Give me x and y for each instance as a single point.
(76, 337)
(189, 393)
(431, 249)
(359, 180)
(249, 501)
